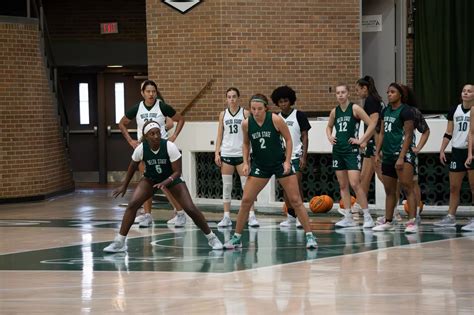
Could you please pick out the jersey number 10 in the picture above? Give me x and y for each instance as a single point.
(462, 126)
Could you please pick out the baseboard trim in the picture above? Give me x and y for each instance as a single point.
(37, 197)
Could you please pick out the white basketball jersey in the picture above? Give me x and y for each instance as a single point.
(461, 128)
(232, 138)
(155, 114)
(295, 131)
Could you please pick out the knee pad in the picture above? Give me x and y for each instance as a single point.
(243, 180)
(226, 188)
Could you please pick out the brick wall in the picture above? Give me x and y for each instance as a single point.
(255, 46)
(33, 160)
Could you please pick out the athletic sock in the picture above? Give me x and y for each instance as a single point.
(210, 235)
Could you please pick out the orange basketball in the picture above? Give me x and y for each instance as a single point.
(353, 201)
(405, 206)
(321, 204)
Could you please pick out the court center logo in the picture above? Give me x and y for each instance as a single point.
(182, 6)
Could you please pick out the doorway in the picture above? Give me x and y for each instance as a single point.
(383, 48)
(95, 103)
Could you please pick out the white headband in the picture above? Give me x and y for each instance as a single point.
(151, 126)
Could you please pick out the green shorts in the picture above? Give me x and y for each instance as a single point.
(388, 166)
(267, 172)
(458, 158)
(369, 150)
(410, 157)
(296, 164)
(234, 161)
(175, 182)
(346, 162)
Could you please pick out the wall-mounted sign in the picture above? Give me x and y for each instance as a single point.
(109, 28)
(371, 23)
(182, 6)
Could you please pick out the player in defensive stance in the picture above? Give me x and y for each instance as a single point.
(162, 169)
(153, 107)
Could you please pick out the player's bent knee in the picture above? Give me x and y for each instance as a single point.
(133, 206)
(246, 203)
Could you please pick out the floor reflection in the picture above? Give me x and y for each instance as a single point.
(186, 249)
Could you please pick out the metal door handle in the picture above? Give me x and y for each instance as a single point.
(110, 131)
(94, 131)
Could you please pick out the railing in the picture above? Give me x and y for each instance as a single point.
(38, 10)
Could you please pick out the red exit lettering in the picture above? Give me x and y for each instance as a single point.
(109, 28)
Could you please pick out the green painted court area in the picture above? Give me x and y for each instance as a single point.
(186, 249)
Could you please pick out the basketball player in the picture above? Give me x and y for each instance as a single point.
(285, 97)
(345, 152)
(457, 131)
(262, 132)
(398, 160)
(228, 154)
(373, 104)
(419, 124)
(153, 108)
(162, 161)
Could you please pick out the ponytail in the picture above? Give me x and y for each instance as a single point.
(368, 81)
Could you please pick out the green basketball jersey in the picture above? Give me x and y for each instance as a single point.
(157, 165)
(267, 145)
(394, 135)
(347, 126)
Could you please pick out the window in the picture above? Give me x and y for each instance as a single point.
(84, 103)
(119, 101)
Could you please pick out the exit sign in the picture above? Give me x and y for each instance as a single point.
(109, 28)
